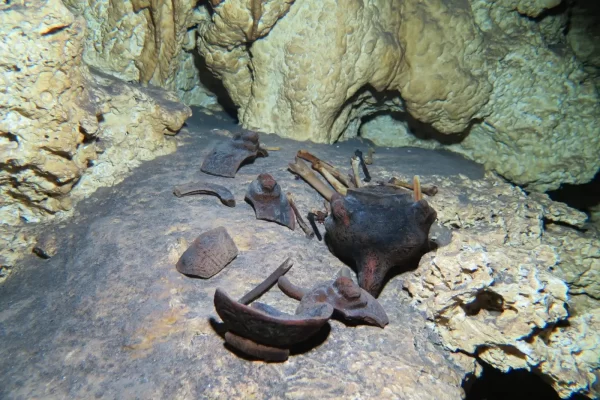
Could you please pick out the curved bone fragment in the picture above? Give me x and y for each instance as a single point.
(269, 203)
(192, 188)
(208, 254)
(225, 159)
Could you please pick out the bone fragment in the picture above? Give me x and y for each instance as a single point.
(300, 168)
(309, 233)
(355, 163)
(324, 168)
(428, 190)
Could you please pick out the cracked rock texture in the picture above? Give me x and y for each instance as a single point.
(66, 130)
(146, 42)
(497, 81)
(497, 290)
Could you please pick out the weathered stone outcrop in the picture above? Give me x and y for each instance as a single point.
(150, 42)
(496, 291)
(497, 79)
(66, 130)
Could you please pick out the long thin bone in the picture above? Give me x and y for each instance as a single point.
(428, 190)
(267, 283)
(324, 168)
(309, 233)
(300, 168)
(355, 163)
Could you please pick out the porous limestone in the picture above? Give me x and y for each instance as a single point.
(66, 130)
(497, 290)
(495, 81)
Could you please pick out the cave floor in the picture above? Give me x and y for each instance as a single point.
(109, 316)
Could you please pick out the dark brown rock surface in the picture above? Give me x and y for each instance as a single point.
(110, 317)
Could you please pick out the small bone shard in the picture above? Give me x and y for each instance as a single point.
(259, 351)
(226, 158)
(355, 162)
(417, 194)
(329, 172)
(269, 203)
(208, 254)
(300, 168)
(363, 164)
(346, 297)
(192, 188)
(309, 233)
(369, 157)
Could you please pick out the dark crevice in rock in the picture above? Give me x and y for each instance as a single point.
(485, 300)
(422, 130)
(215, 85)
(581, 197)
(514, 385)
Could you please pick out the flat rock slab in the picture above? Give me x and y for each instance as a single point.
(109, 316)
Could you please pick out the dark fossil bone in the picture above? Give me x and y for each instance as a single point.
(208, 254)
(346, 297)
(375, 228)
(192, 188)
(226, 158)
(269, 203)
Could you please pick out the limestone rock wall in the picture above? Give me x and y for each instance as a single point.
(497, 290)
(60, 122)
(146, 41)
(496, 80)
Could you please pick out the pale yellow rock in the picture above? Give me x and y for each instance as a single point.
(310, 77)
(504, 82)
(65, 131)
(43, 149)
(497, 290)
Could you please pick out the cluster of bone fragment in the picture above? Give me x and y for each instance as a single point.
(263, 332)
(372, 228)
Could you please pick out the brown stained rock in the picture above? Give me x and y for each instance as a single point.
(192, 188)
(225, 159)
(208, 254)
(269, 202)
(376, 228)
(266, 325)
(352, 302)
